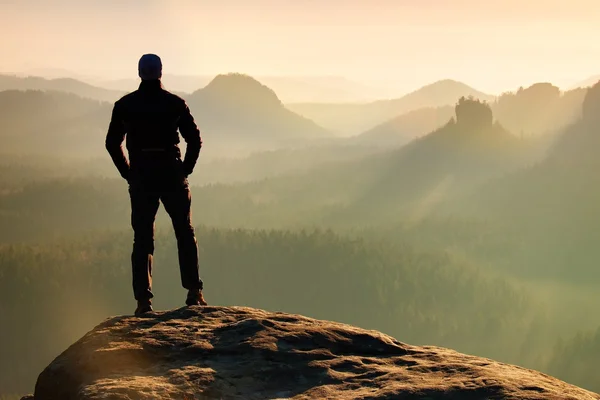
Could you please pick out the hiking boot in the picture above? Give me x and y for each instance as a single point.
(143, 307)
(195, 298)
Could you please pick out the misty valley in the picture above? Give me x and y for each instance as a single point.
(445, 217)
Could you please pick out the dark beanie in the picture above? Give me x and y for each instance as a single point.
(150, 67)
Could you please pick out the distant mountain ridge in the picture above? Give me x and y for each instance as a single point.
(68, 85)
(354, 118)
(235, 113)
(553, 203)
(469, 149)
(290, 89)
(541, 109)
(62, 123)
(402, 129)
(437, 94)
(239, 110)
(404, 183)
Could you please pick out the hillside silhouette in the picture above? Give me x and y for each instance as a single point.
(539, 109)
(553, 203)
(282, 162)
(355, 118)
(391, 185)
(578, 146)
(406, 127)
(184, 84)
(453, 234)
(236, 114)
(438, 94)
(68, 85)
(239, 111)
(470, 149)
(57, 123)
(288, 88)
(426, 172)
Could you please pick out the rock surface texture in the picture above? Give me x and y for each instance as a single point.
(244, 353)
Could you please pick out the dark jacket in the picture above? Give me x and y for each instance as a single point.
(148, 119)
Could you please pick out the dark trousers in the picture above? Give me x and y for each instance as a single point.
(176, 198)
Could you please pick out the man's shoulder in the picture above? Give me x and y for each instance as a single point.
(174, 97)
(126, 98)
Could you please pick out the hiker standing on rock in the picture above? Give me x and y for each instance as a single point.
(149, 120)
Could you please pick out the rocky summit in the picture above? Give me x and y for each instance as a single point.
(244, 353)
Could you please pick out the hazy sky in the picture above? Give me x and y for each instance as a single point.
(492, 45)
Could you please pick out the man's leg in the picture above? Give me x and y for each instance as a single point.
(178, 203)
(144, 205)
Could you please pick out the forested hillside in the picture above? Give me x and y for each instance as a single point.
(430, 172)
(469, 237)
(52, 123)
(52, 293)
(488, 264)
(406, 127)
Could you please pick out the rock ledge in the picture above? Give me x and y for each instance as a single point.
(244, 353)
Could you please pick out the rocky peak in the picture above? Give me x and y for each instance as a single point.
(244, 353)
(239, 89)
(473, 114)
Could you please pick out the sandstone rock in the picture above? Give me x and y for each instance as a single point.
(243, 353)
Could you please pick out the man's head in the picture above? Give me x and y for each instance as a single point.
(150, 67)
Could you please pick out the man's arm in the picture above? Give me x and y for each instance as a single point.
(191, 134)
(114, 140)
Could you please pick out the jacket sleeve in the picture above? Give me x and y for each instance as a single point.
(114, 141)
(191, 134)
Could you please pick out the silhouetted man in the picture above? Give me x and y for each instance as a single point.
(149, 119)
